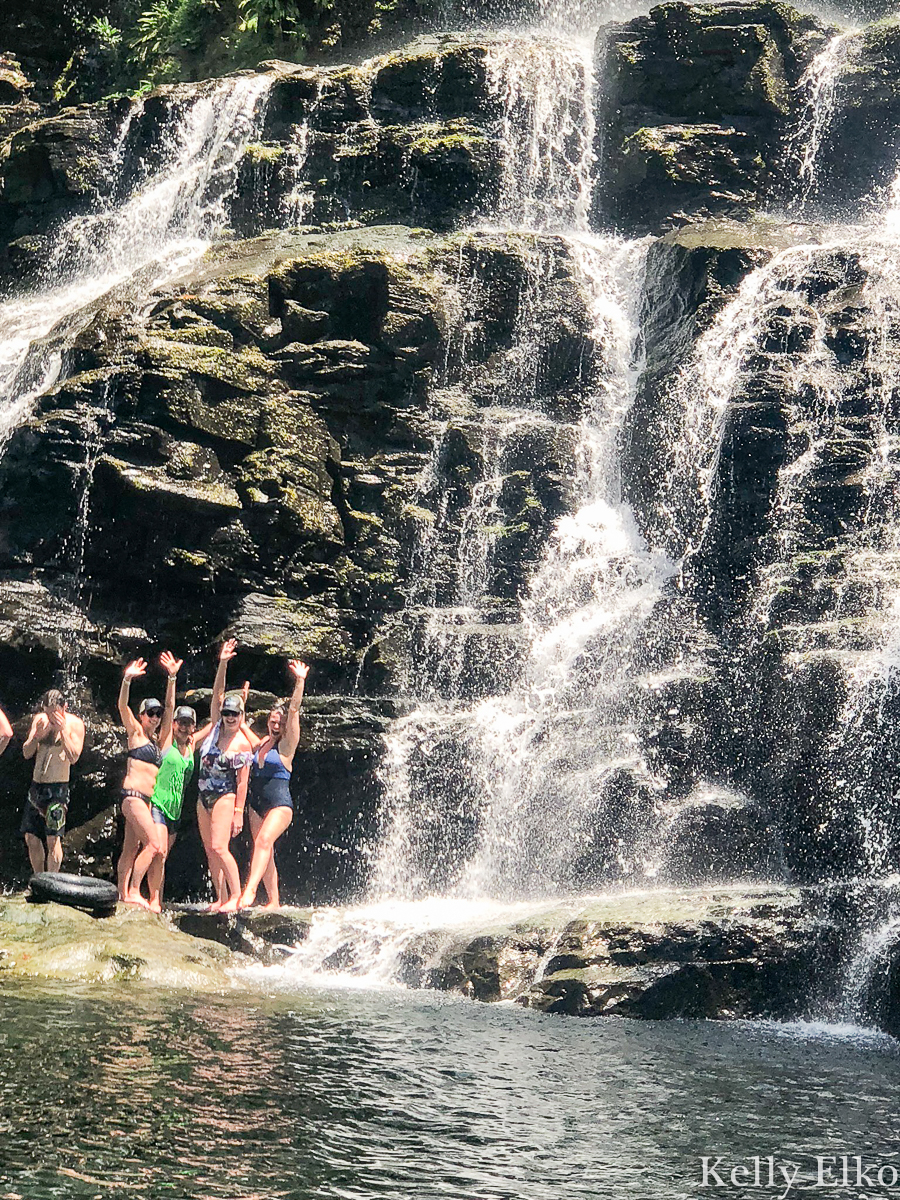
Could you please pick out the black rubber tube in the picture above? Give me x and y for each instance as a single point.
(80, 891)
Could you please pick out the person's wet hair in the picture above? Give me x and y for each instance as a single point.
(53, 699)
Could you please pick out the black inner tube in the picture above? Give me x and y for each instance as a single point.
(80, 891)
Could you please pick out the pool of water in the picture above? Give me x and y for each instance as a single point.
(377, 1095)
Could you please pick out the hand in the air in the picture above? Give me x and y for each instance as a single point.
(170, 664)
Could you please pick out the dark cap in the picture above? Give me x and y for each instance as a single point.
(185, 713)
(233, 704)
(148, 704)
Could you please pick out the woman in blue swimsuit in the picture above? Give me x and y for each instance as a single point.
(271, 806)
(145, 731)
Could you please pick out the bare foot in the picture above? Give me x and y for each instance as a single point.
(247, 899)
(135, 900)
(215, 907)
(230, 906)
(155, 906)
(271, 906)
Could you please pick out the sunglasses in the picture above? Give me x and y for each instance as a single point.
(184, 721)
(231, 716)
(154, 712)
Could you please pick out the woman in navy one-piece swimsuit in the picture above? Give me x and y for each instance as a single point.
(271, 806)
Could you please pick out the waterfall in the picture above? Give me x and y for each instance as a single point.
(453, 770)
(819, 84)
(544, 754)
(545, 89)
(171, 212)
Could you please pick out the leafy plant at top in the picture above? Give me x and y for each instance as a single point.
(154, 30)
(269, 18)
(172, 27)
(106, 35)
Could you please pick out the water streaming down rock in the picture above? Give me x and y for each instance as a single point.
(819, 82)
(577, 669)
(160, 213)
(546, 137)
(545, 89)
(545, 756)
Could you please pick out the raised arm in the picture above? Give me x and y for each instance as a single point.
(290, 739)
(129, 720)
(171, 665)
(39, 726)
(226, 654)
(253, 738)
(5, 731)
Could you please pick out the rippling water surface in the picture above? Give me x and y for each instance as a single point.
(384, 1095)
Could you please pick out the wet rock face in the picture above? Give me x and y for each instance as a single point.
(861, 144)
(288, 444)
(696, 103)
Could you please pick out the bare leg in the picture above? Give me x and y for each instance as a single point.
(54, 852)
(255, 826)
(273, 825)
(204, 823)
(36, 855)
(146, 831)
(130, 846)
(156, 873)
(147, 860)
(270, 883)
(221, 820)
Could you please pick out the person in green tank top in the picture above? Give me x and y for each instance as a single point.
(165, 803)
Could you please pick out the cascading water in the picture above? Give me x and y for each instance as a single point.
(545, 90)
(170, 213)
(819, 82)
(536, 763)
(543, 754)
(499, 797)
(513, 777)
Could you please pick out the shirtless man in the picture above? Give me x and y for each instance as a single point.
(55, 741)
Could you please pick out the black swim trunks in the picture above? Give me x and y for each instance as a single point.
(45, 812)
(173, 824)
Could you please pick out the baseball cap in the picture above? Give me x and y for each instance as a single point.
(185, 713)
(149, 705)
(232, 704)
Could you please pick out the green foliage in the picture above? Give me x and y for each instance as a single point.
(169, 28)
(106, 35)
(268, 17)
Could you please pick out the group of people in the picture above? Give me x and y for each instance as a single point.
(237, 769)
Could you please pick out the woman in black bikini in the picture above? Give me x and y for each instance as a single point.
(271, 805)
(144, 757)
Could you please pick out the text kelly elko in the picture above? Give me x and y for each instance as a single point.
(782, 1177)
